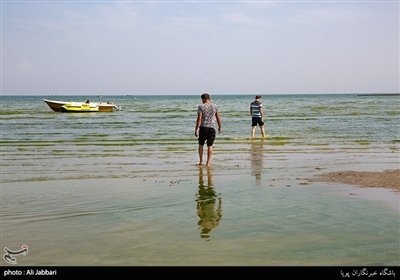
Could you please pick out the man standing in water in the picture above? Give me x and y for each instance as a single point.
(207, 113)
(257, 116)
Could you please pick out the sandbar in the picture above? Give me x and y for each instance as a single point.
(388, 179)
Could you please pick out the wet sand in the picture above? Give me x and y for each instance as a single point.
(388, 179)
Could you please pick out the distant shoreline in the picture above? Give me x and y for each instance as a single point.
(379, 94)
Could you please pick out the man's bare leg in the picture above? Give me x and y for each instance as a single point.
(209, 154)
(200, 149)
(253, 130)
(262, 131)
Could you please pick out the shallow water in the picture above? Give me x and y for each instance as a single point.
(159, 222)
(122, 188)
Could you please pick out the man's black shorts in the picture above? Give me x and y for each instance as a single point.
(255, 121)
(206, 133)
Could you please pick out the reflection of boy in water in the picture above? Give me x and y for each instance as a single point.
(257, 154)
(209, 205)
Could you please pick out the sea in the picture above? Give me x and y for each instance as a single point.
(122, 188)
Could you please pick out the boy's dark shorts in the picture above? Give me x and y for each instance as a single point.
(255, 121)
(206, 133)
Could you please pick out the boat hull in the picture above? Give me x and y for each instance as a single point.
(79, 108)
(56, 106)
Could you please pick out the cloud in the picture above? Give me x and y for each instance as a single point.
(241, 18)
(327, 16)
(25, 68)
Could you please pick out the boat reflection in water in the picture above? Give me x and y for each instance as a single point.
(209, 204)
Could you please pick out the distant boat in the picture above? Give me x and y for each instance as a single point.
(56, 106)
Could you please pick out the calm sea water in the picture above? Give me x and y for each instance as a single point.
(122, 188)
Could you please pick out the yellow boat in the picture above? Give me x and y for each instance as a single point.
(103, 107)
(76, 107)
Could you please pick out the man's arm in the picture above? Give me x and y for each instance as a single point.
(219, 122)
(198, 121)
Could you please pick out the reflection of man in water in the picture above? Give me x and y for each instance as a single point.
(209, 205)
(257, 154)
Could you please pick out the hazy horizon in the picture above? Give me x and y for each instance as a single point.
(199, 94)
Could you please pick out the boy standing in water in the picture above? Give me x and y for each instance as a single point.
(257, 116)
(205, 126)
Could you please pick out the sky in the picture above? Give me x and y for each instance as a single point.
(76, 47)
